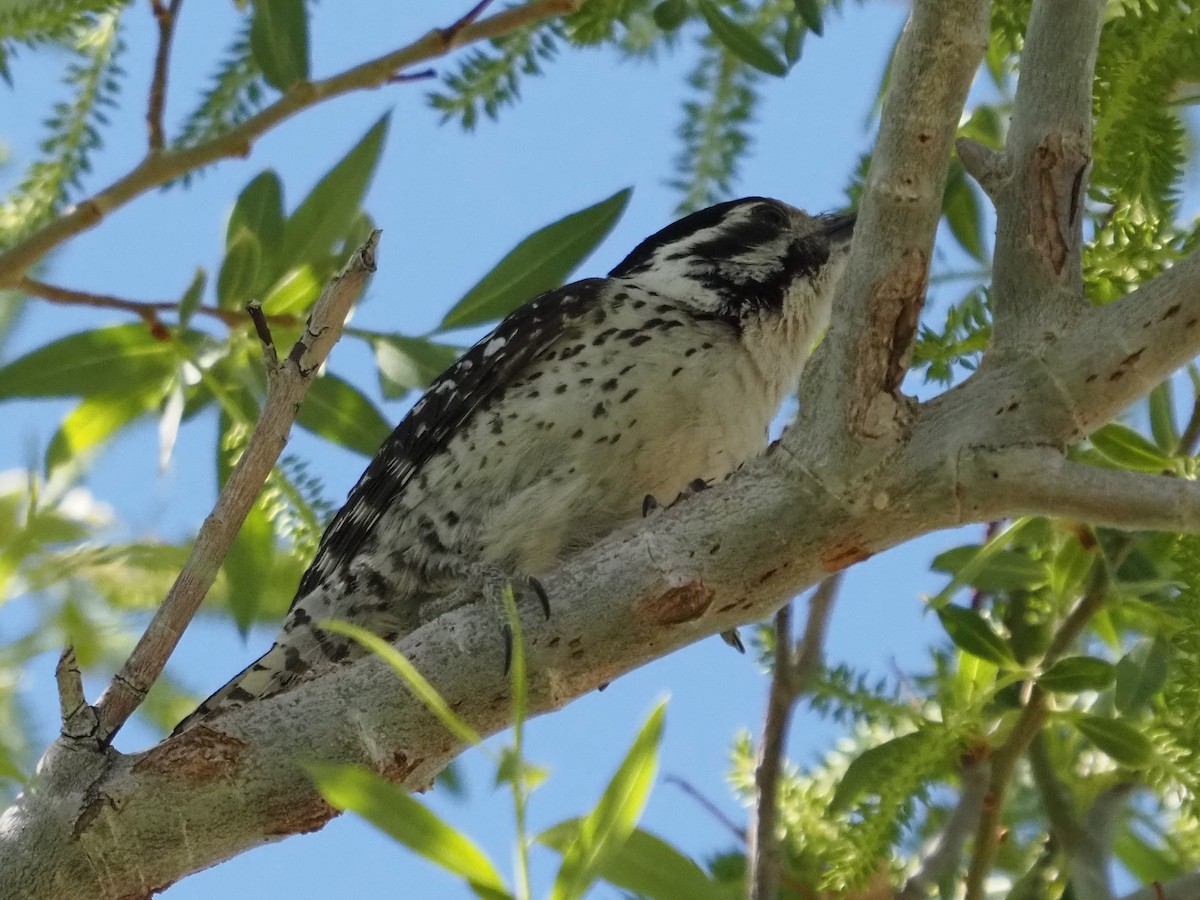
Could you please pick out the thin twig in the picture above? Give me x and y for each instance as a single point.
(263, 329)
(146, 310)
(711, 808)
(943, 860)
(407, 77)
(286, 388)
(453, 32)
(160, 168)
(165, 16)
(794, 669)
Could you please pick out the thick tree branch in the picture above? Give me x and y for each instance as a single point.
(855, 377)
(1037, 290)
(1041, 481)
(794, 670)
(159, 168)
(1118, 353)
(288, 382)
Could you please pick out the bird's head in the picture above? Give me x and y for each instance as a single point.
(743, 258)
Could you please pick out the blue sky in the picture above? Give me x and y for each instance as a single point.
(450, 204)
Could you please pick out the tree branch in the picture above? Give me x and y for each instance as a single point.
(793, 672)
(166, 17)
(1026, 729)
(1119, 352)
(855, 377)
(1041, 481)
(288, 383)
(1086, 848)
(1037, 289)
(159, 168)
(1185, 887)
(146, 310)
(944, 859)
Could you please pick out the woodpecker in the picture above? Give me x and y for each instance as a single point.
(552, 431)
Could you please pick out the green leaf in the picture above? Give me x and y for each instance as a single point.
(741, 42)
(1070, 567)
(406, 363)
(964, 215)
(239, 271)
(793, 41)
(338, 412)
(390, 809)
(646, 866)
(1141, 674)
(538, 264)
(259, 211)
(1145, 863)
(96, 419)
(248, 565)
(604, 831)
(279, 41)
(810, 12)
(670, 14)
(1130, 450)
(413, 680)
(1120, 740)
(294, 292)
(965, 564)
(1075, 674)
(512, 768)
(972, 634)
(90, 363)
(329, 211)
(1162, 417)
(863, 774)
(190, 301)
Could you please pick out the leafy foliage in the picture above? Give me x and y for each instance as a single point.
(488, 81)
(1100, 626)
(235, 94)
(73, 128)
(714, 131)
(35, 24)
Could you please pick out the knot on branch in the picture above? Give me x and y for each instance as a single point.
(676, 605)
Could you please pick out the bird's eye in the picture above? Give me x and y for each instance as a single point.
(773, 214)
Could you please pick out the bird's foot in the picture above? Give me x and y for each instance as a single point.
(492, 583)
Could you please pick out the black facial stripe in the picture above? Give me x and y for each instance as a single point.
(697, 221)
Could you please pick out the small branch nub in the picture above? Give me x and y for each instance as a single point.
(78, 718)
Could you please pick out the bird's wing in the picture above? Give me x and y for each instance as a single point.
(480, 376)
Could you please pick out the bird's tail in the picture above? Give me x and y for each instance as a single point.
(267, 675)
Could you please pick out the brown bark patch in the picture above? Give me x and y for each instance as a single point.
(1058, 167)
(300, 818)
(843, 555)
(896, 302)
(198, 755)
(676, 605)
(400, 767)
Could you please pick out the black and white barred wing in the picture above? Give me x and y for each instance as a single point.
(479, 377)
